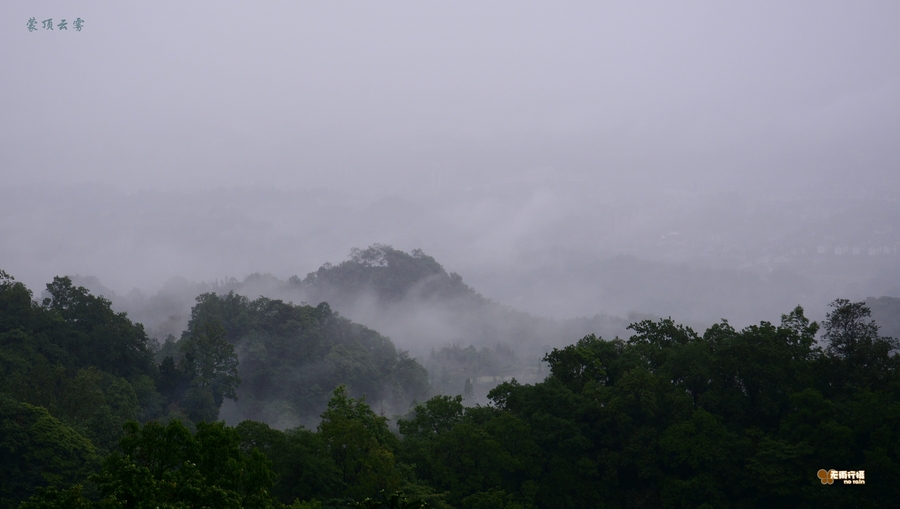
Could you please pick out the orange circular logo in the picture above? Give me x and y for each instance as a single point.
(825, 476)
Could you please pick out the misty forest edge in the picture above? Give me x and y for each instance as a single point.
(96, 414)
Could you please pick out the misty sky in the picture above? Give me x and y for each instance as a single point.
(174, 94)
(378, 103)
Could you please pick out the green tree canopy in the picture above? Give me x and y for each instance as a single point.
(360, 444)
(37, 450)
(96, 335)
(291, 357)
(167, 466)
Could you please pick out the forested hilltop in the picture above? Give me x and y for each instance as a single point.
(457, 333)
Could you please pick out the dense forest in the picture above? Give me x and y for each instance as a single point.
(96, 414)
(291, 357)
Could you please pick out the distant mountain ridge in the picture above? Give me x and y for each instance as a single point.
(389, 274)
(408, 297)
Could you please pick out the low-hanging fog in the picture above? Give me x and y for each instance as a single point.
(697, 160)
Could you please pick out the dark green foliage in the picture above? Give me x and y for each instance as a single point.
(28, 332)
(491, 499)
(87, 365)
(37, 450)
(96, 335)
(350, 459)
(395, 500)
(207, 372)
(17, 309)
(167, 466)
(93, 369)
(360, 444)
(389, 273)
(79, 361)
(437, 415)
(52, 498)
(850, 336)
(858, 356)
(306, 469)
(671, 418)
(210, 362)
(293, 356)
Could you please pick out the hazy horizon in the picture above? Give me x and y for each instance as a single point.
(739, 150)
